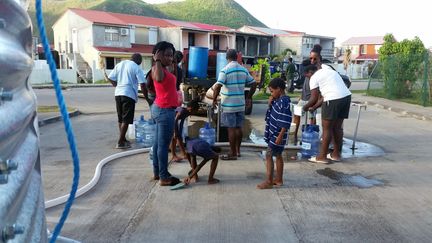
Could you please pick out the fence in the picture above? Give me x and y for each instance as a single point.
(403, 77)
(42, 75)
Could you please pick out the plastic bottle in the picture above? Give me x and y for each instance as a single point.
(208, 134)
(310, 141)
(149, 133)
(151, 156)
(139, 131)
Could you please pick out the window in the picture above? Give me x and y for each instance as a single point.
(111, 62)
(363, 49)
(191, 39)
(111, 34)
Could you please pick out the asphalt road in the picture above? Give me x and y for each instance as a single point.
(312, 206)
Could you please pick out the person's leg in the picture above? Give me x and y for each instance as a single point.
(238, 140)
(213, 166)
(173, 145)
(182, 148)
(296, 120)
(228, 120)
(155, 115)
(240, 116)
(327, 126)
(165, 127)
(232, 141)
(278, 181)
(268, 183)
(128, 110)
(337, 134)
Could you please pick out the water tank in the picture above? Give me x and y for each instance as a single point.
(310, 141)
(208, 134)
(22, 208)
(221, 62)
(198, 62)
(139, 131)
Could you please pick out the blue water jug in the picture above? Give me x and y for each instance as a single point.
(208, 134)
(149, 133)
(310, 141)
(139, 131)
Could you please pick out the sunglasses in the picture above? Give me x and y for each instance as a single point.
(313, 58)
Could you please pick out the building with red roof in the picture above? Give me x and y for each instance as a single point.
(88, 39)
(363, 48)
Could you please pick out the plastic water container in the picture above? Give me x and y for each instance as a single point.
(208, 134)
(139, 131)
(151, 156)
(149, 133)
(221, 62)
(198, 62)
(310, 141)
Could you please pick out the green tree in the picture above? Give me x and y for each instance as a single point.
(263, 66)
(401, 65)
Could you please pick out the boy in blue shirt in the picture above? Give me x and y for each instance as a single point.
(278, 121)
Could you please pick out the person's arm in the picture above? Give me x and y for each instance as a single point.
(157, 69)
(318, 103)
(145, 93)
(280, 136)
(217, 88)
(114, 83)
(312, 100)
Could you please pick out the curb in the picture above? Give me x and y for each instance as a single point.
(400, 111)
(57, 118)
(66, 86)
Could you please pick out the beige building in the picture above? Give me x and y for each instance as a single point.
(299, 42)
(85, 39)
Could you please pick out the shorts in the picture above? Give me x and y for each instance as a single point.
(232, 119)
(125, 109)
(276, 151)
(203, 149)
(336, 109)
(312, 114)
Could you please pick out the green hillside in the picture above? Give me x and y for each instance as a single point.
(218, 12)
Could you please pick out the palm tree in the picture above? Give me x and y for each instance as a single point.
(347, 59)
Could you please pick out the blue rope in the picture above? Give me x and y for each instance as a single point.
(66, 120)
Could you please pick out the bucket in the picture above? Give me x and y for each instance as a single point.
(198, 62)
(221, 62)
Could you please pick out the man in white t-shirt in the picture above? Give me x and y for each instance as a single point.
(335, 108)
(125, 77)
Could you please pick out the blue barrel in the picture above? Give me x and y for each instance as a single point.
(221, 62)
(198, 62)
(310, 141)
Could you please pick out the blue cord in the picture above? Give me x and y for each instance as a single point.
(66, 121)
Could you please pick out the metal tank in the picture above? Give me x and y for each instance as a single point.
(22, 211)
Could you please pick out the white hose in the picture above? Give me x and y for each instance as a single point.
(60, 200)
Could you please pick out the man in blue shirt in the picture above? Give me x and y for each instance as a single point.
(125, 77)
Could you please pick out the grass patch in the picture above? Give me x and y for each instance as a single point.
(410, 100)
(46, 109)
(102, 81)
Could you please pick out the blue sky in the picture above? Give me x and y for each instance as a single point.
(344, 18)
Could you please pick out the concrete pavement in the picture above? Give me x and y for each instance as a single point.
(127, 207)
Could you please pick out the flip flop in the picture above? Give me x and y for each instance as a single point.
(228, 157)
(313, 159)
(178, 186)
(330, 158)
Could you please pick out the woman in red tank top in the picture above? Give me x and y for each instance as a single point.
(163, 110)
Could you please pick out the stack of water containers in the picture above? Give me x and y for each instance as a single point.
(208, 134)
(310, 141)
(145, 132)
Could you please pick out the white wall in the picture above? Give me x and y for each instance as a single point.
(42, 75)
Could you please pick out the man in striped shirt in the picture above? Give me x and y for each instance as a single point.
(231, 85)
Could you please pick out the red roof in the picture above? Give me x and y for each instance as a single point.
(126, 19)
(367, 57)
(136, 48)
